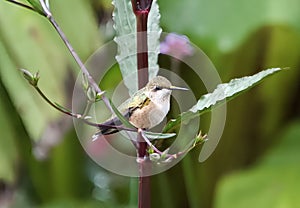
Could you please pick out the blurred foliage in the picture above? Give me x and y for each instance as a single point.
(273, 182)
(241, 38)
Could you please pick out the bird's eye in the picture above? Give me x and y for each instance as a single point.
(156, 88)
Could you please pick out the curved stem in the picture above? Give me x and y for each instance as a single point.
(54, 105)
(79, 116)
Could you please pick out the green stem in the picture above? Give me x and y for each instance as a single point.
(54, 105)
(78, 116)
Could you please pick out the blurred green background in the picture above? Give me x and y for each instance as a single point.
(256, 163)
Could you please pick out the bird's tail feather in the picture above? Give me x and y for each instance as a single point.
(108, 127)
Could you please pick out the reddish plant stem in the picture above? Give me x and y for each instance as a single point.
(141, 9)
(142, 50)
(144, 190)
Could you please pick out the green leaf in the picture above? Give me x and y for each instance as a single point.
(272, 182)
(223, 92)
(125, 26)
(37, 6)
(153, 135)
(8, 144)
(228, 90)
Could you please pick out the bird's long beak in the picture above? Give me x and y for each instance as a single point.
(178, 88)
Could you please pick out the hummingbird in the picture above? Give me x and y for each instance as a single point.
(146, 108)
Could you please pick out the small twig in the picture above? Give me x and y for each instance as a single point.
(54, 105)
(168, 157)
(150, 144)
(79, 116)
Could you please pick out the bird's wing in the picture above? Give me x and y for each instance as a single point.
(137, 101)
(106, 127)
(127, 108)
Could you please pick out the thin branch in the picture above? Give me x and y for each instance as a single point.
(200, 139)
(79, 62)
(79, 116)
(150, 144)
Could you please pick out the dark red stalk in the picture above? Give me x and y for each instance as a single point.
(141, 9)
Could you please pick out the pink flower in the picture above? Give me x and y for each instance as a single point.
(177, 46)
